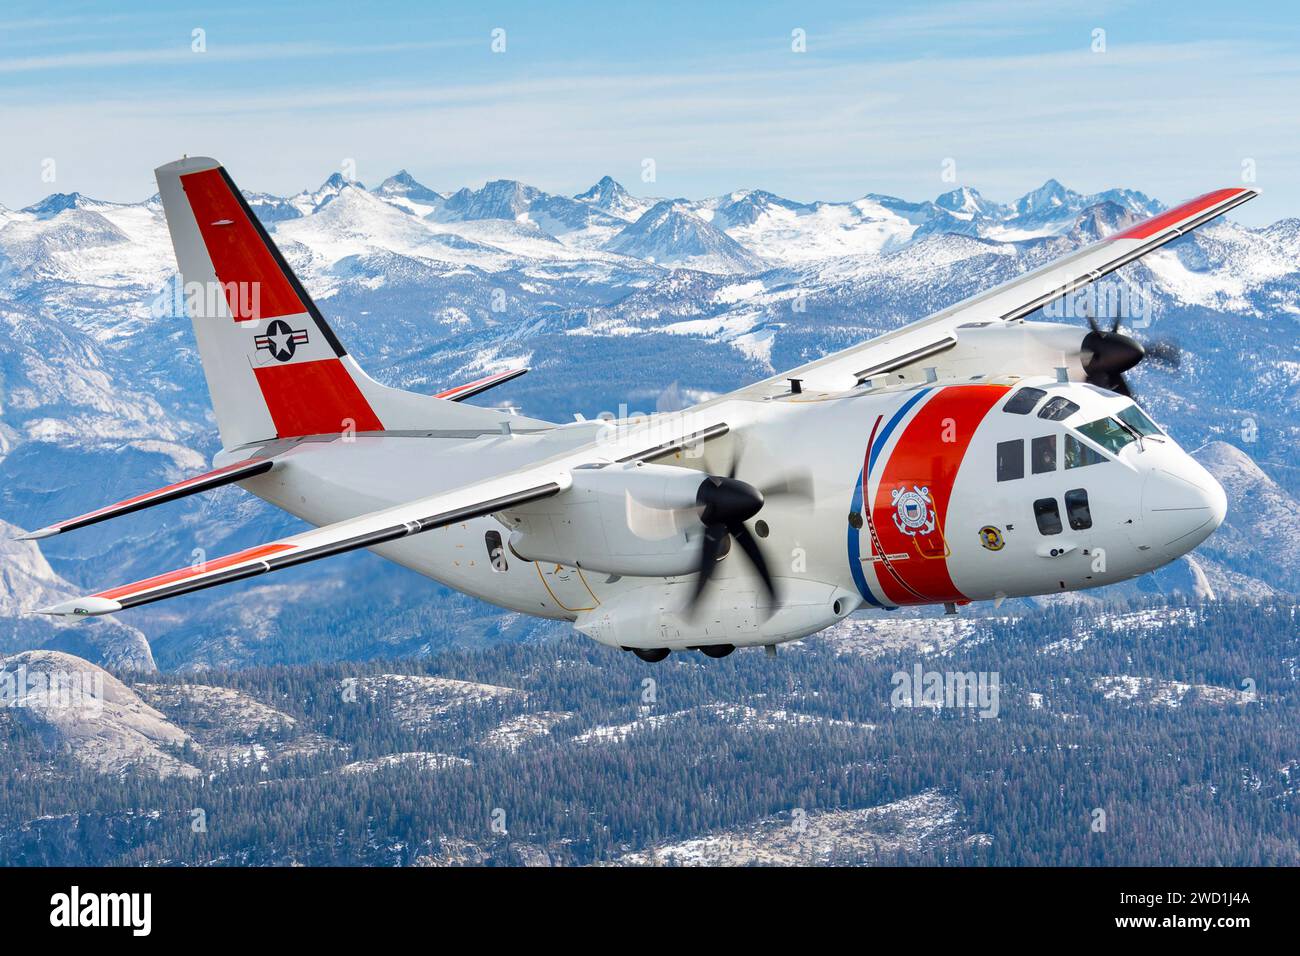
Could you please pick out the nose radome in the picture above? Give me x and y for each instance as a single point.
(1182, 507)
(1218, 502)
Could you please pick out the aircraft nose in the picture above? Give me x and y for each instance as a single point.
(1181, 507)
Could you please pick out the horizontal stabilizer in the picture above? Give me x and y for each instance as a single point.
(190, 486)
(462, 392)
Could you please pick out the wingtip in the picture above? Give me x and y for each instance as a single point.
(82, 607)
(37, 534)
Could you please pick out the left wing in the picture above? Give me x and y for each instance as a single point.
(365, 531)
(1004, 303)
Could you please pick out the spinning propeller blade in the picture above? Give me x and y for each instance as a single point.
(1109, 353)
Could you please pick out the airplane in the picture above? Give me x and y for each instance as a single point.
(973, 455)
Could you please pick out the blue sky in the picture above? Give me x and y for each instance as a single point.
(1012, 92)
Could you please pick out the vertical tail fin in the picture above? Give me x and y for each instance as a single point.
(274, 367)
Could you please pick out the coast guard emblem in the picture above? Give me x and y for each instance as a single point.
(913, 510)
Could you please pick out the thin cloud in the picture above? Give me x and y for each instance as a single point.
(1165, 118)
(250, 51)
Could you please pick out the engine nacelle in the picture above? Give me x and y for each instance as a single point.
(996, 349)
(1094, 355)
(630, 519)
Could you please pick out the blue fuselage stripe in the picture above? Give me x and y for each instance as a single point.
(855, 549)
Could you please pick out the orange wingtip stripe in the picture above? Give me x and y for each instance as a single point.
(1144, 230)
(482, 381)
(171, 577)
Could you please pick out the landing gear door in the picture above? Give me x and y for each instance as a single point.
(567, 586)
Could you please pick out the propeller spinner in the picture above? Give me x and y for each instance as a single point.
(1109, 353)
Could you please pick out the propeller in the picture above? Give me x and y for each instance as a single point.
(722, 504)
(726, 503)
(1110, 353)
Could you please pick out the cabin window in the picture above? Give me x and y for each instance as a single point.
(1107, 433)
(1011, 460)
(1076, 509)
(1023, 402)
(1047, 515)
(1042, 454)
(1077, 454)
(1137, 420)
(496, 553)
(1057, 409)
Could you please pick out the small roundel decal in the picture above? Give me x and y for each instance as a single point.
(991, 537)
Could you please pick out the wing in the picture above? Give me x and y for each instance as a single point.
(416, 517)
(365, 531)
(1005, 303)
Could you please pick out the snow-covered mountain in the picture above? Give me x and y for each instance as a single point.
(584, 224)
(308, 202)
(670, 233)
(611, 299)
(402, 189)
(610, 196)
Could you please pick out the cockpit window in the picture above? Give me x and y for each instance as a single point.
(1077, 510)
(1011, 459)
(1077, 454)
(1023, 402)
(1057, 409)
(1107, 433)
(1047, 515)
(1042, 452)
(1137, 420)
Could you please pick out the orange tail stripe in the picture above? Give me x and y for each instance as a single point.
(261, 290)
(315, 398)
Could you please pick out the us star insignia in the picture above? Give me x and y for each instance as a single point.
(280, 340)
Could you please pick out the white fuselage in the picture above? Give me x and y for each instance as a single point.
(916, 499)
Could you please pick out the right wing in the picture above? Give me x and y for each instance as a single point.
(1005, 303)
(365, 531)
